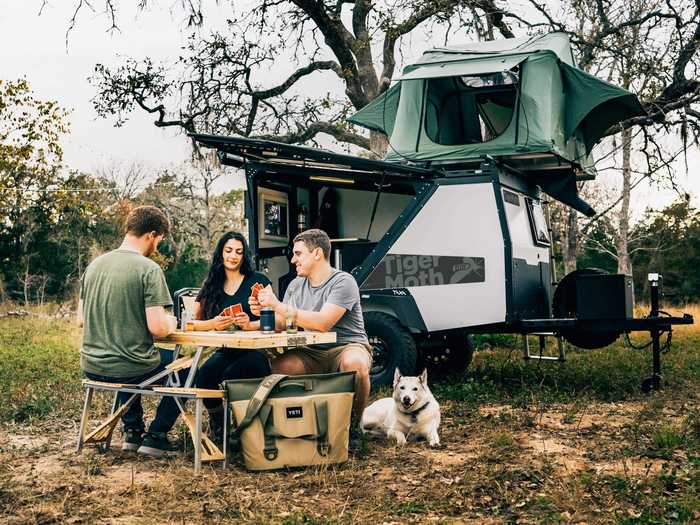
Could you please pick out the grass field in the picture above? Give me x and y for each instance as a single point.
(522, 443)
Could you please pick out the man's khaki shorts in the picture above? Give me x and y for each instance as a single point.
(327, 361)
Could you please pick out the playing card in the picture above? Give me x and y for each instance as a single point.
(236, 309)
(227, 312)
(256, 289)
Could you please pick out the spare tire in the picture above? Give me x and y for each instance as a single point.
(393, 347)
(564, 306)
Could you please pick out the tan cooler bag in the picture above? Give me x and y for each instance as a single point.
(293, 421)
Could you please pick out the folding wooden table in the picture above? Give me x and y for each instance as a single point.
(273, 344)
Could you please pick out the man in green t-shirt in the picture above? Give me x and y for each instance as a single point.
(123, 296)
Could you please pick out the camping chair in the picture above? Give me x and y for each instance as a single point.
(184, 300)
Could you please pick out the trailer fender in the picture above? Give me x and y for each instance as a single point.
(396, 302)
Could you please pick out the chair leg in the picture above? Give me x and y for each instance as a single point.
(225, 433)
(104, 446)
(198, 435)
(84, 419)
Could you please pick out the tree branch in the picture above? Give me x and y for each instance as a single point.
(338, 131)
(294, 77)
(341, 41)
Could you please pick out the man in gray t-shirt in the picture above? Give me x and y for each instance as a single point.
(326, 300)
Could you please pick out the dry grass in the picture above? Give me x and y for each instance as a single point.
(598, 463)
(641, 310)
(512, 452)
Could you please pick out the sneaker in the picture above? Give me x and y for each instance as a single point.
(156, 444)
(132, 439)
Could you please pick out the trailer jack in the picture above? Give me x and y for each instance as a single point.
(654, 381)
(541, 336)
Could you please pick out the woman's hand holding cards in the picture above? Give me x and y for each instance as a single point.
(222, 322)
(242, 320)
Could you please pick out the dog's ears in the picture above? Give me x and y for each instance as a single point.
(397, 375)
(424, 376)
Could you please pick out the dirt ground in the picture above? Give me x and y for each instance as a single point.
(577, 463)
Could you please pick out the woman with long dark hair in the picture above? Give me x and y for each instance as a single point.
(230, 281)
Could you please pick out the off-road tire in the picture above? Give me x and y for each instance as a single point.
(452, 357)
(393, 346)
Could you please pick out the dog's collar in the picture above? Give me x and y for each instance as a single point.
(414, 414)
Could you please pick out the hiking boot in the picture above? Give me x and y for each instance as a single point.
(132, 439)
(156, 444)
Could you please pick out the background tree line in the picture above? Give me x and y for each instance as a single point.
(54, 221)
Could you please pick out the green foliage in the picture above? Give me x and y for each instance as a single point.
(670, 244)
(40, 373)
(664, 441)
(610, 373)
(190, 271)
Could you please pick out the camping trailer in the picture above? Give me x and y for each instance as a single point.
(448, 236)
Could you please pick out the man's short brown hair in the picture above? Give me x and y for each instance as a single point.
(315, 238)
(145, 219)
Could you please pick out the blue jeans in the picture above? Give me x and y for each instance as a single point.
(230, 364)
(167, 411)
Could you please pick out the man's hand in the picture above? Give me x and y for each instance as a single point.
(254, 306)
(171, 320)
(80, 317)
(267, 297)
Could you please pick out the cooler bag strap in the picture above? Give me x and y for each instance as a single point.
(270, 446)
(321, 408)
(259, 397)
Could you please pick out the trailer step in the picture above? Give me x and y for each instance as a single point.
(527, 356)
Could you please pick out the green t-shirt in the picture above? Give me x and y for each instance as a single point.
(116, 289)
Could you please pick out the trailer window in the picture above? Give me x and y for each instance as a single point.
(538, 223)
(469, 109)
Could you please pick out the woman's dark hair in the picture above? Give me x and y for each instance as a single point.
(211, 294)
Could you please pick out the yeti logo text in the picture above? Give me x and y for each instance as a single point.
(403, 271)
(294, 412)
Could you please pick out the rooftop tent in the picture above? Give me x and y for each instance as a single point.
(379, 115)
(593, 106)
(506, 98)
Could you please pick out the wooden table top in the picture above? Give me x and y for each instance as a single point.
(251, 340)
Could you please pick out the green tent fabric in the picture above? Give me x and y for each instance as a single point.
(556, 42)
(380, 114)
(593, 105)
(462, 67)
(563, 189)
(551, 108)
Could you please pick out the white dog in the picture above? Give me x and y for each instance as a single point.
(412, 413)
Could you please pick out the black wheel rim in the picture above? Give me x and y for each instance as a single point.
(380, 355)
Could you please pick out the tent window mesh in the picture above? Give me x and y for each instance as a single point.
(469, 110)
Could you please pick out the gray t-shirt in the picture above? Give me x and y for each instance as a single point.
(340, 289)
